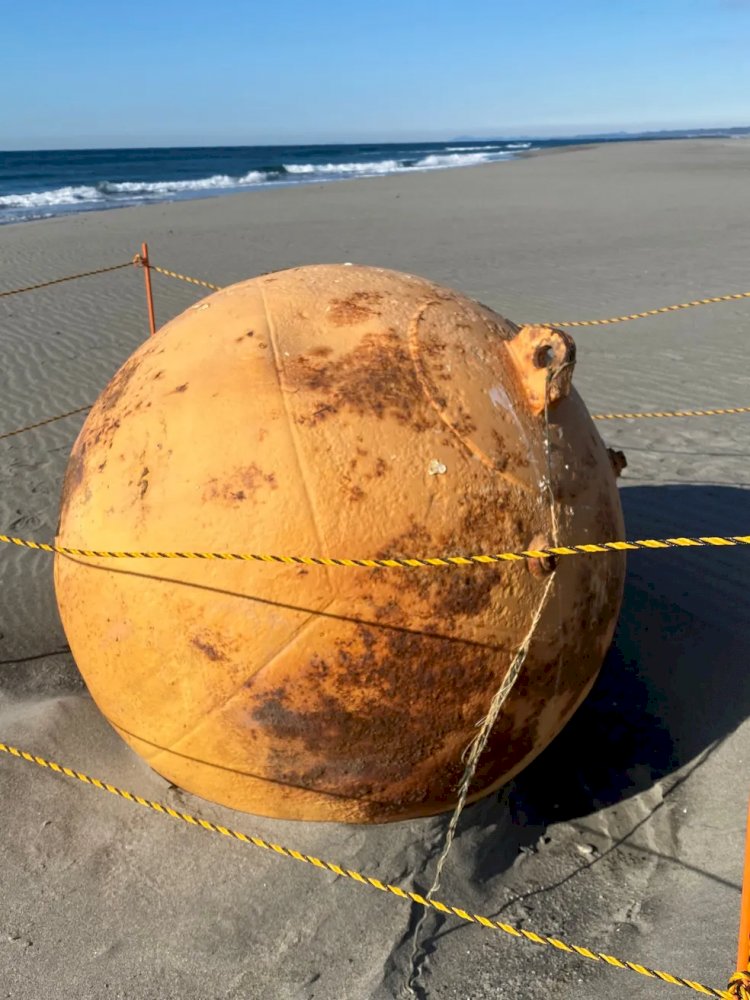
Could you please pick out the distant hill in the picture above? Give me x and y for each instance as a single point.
(692, 133)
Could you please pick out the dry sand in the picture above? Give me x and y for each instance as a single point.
(627, 834)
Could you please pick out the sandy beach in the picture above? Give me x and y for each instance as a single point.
(627, 834)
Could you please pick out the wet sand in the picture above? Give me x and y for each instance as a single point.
(627, 834)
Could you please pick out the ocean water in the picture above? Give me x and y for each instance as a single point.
(39, 184)
(35, 185)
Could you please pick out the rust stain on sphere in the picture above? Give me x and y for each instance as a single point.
(351, 411)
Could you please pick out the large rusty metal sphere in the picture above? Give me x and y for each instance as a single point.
(351, 412)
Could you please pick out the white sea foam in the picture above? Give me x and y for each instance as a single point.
(374, 167)
(107, 194)
(76, 195)
(254, 177)
(457, 159)
(430, 162)
(519, 145)
(156, 188)
(114, 191)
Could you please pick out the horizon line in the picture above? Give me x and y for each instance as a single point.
(491, 137)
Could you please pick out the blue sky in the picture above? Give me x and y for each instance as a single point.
(87, 73)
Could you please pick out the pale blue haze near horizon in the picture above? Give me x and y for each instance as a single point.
(90, 74)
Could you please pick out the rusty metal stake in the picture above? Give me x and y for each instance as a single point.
(743, 947)
(149, 294)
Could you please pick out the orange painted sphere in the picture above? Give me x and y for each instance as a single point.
(350, 412)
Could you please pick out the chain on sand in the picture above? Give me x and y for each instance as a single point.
(374, 883)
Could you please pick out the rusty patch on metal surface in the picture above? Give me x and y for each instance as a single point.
(74, 476)
(208, 649)
(376, 378)
(507, 457)
(487, 520)
(118, 384)
(243, 484)
(412, 690)
(253, 476)
(143, 483)
(356, 308)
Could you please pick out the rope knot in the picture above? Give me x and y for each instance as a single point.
(739, 986)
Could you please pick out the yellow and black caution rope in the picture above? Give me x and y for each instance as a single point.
(70, 277)
(739, 986)
(185, 277)
(43, 423)
(589, 548)
(671, 413)
(594, 416)
(733, 297)
(138, 261)
(374, 883)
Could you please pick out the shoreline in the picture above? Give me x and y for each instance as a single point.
(287, 184)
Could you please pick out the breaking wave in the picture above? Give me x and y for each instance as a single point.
(59, 196)
(110, 194)
(179, 187)
(373, 168)
(459, 159)
(114, 191)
